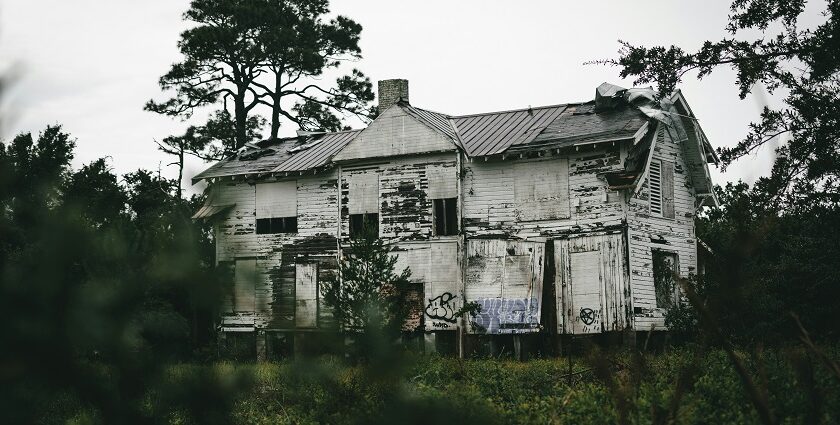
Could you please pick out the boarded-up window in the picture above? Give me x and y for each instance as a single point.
(541, 190)
(661, 188)
(442, 182)
(244, 286)
(364, 193)
(306, 295)
(665, 269)
(277, 199)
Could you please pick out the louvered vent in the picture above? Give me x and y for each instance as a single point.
(655, 188)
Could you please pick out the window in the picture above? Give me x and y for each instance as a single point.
(541, 190)
(445, 216)
(361, 223)
(665, 269)
(276, 225)
(276, 207)
(244, 288)
(661, 188)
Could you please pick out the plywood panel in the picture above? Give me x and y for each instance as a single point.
(586, 286)
(364, 193)
(278, 199)
(245, 279)
(442, 181)
(505, 279)
(306, 295)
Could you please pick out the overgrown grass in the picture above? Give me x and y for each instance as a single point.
(447, 390)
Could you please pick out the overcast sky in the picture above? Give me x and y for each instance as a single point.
(90, 65)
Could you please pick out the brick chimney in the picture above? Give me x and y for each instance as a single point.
(390, 91)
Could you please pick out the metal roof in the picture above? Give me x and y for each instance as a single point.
(478, 135)
(495, 132)
(284, 155)
(580, 123)
(437, 120)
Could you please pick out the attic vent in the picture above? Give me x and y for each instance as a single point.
(655, 187)
(661, 184)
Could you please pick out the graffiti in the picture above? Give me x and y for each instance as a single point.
(439, 308)
(587, 316)
(507, 315)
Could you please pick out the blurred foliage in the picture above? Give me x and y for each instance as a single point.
(769, 262)
(486, 391)
(103, 281)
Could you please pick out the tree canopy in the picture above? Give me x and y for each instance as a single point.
(246, 54)
(801, 63)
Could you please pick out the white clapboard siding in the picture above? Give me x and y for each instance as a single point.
(306, 295)
(575, 198)
(278, 199)
(435, 265)
(395, 133)
(669, 231)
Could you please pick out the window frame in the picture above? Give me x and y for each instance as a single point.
(276, 225)
(674, 289)
(353, 229)
(449, 216)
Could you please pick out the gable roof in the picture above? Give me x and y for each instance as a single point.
(616, 114)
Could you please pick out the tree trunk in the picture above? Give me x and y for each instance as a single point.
(241, 119)
(275, 107)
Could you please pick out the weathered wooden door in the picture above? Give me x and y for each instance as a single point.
(591, 295)
(587, 283)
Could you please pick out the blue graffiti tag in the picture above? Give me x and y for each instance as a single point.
(507, 315)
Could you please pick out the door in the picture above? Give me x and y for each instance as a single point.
(591, 289)
(586, 304)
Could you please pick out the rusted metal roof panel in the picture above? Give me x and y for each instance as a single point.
(284, 155)
(491, 133)
(581, 124)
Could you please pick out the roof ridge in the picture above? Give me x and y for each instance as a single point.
(519, 109)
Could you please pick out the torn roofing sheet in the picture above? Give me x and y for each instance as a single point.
(284, 155)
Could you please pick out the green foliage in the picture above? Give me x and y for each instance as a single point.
(535, 392)
(768, 47)
(367, 296)
(103, 282)
(767, 264)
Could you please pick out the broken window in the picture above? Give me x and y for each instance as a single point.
(445, 216)
(276, 225)
(661, 188)
(360, 224)
(276, 207)
(665, 270)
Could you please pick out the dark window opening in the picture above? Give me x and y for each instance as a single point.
(362, 223)
(276, 225)
(665, 270)
(445, 216)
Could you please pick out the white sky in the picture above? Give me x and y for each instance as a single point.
(91, 65)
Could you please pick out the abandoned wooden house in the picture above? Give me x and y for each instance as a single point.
(565, 219)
